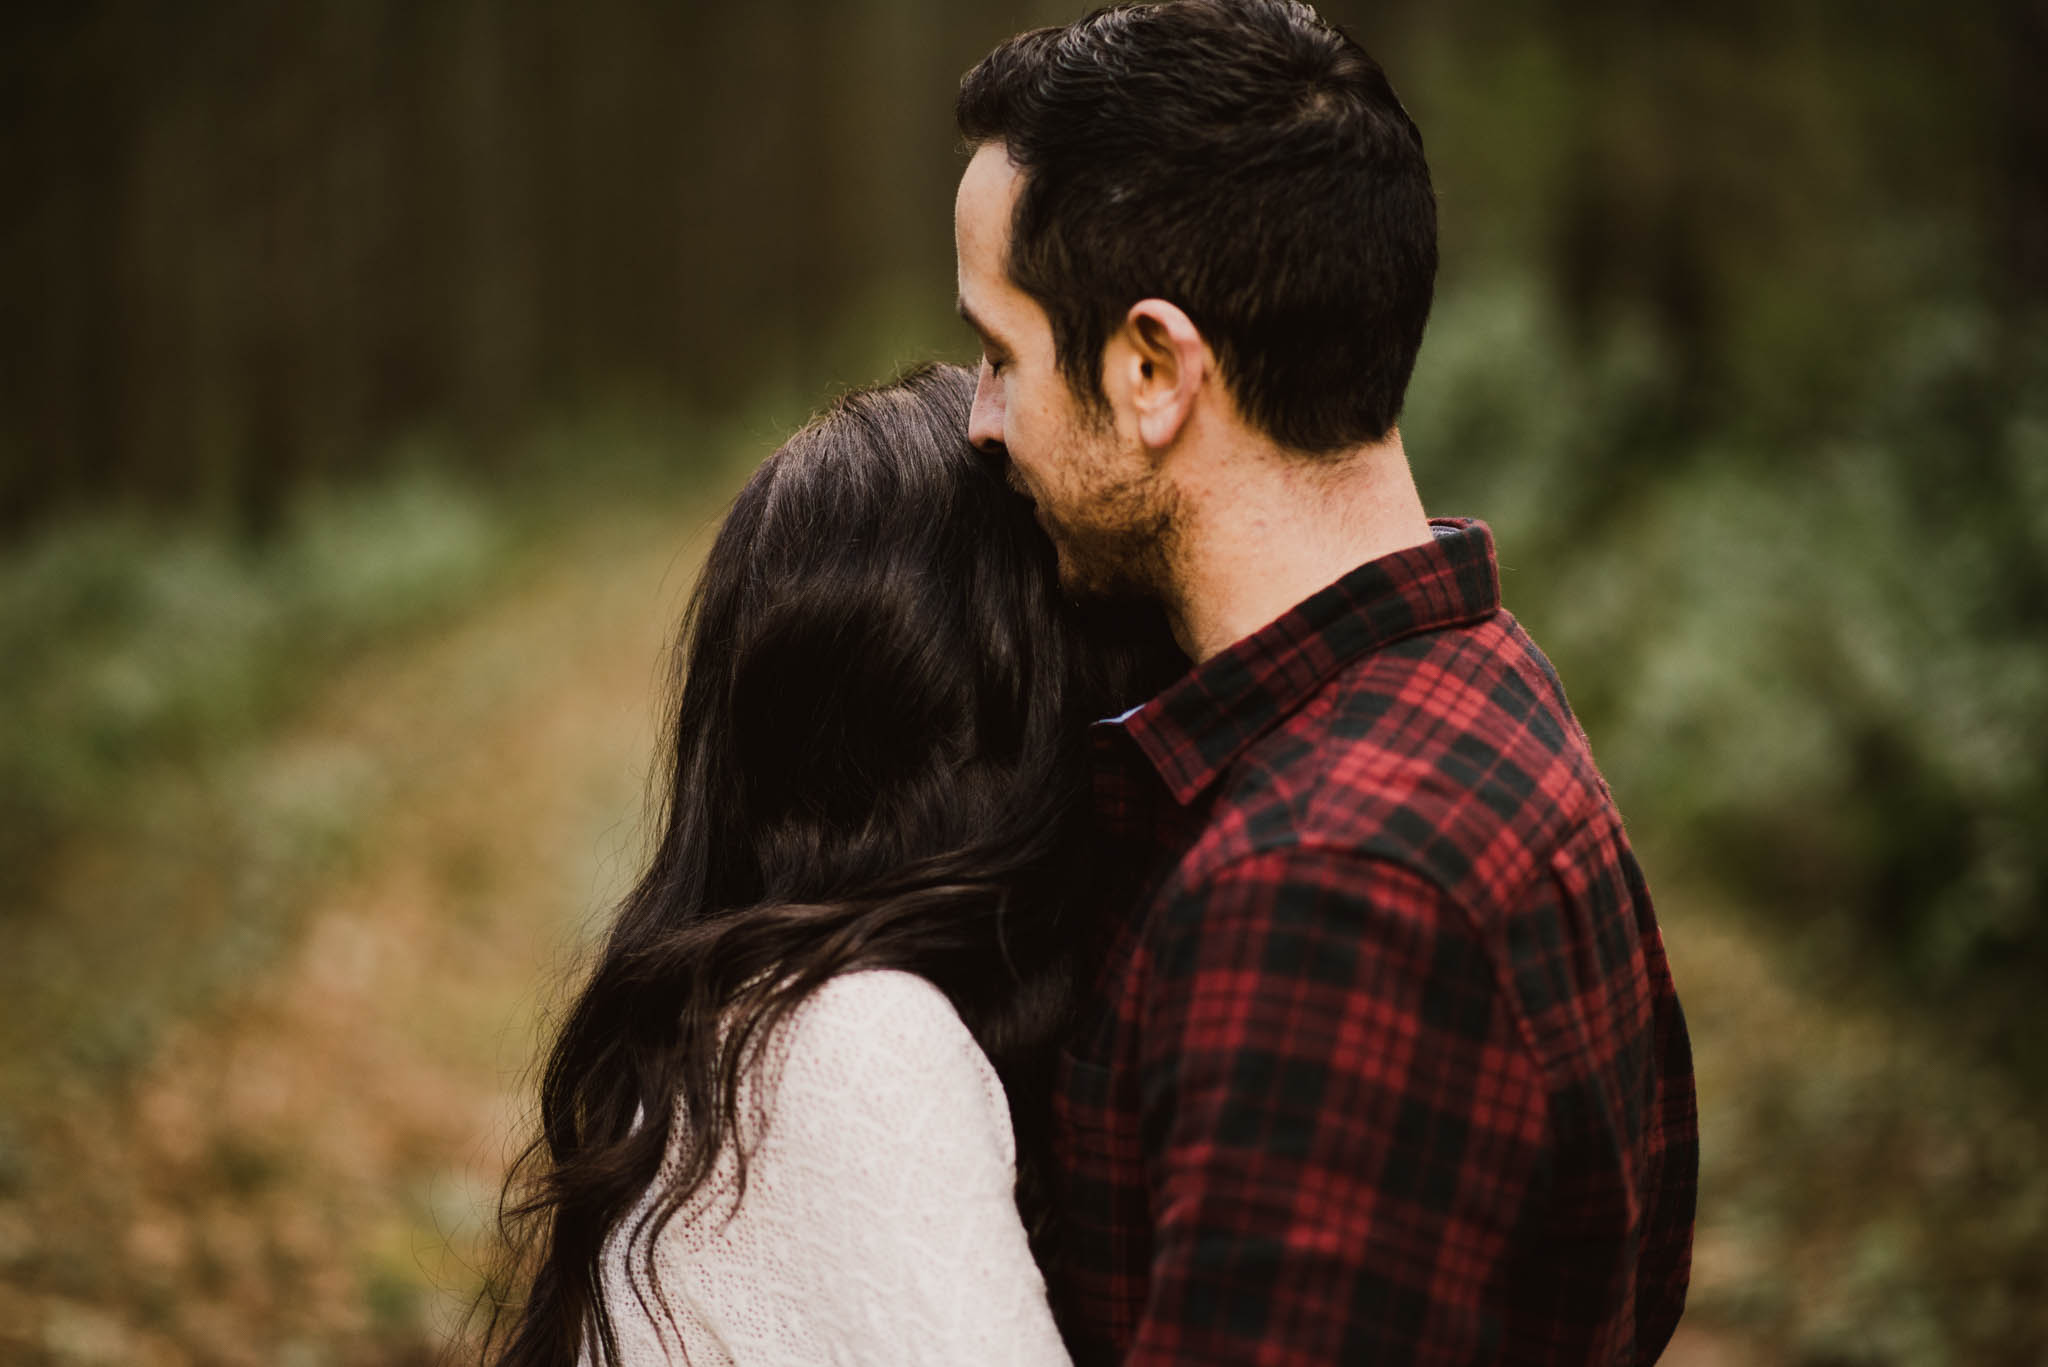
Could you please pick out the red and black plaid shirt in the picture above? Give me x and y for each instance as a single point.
(1383, 1064)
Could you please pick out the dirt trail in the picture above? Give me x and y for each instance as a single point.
(296, 1176)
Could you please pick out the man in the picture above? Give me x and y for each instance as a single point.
(1385, 1065)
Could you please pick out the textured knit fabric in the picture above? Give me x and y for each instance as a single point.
(1384, 1062)
(878, 1223)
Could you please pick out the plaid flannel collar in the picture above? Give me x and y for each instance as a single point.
(1191, 732)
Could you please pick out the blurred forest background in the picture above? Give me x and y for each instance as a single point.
(374, 368)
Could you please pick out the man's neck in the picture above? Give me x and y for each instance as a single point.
(1259, 534)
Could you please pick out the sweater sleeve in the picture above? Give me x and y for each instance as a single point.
(888, 1156)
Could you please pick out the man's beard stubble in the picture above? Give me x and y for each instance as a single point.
(1116, 539)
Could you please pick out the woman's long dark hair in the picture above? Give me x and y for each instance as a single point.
(874, 762)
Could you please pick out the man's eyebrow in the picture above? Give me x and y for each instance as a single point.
(966, 313)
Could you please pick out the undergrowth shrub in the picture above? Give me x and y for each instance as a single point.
(129, 644)
(1814, 663)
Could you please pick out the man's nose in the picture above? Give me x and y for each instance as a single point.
(985, 420)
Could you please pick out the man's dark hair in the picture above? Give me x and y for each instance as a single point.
(1246, 161)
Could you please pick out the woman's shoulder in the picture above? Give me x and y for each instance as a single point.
(876, 1040)
(878, 1018)
(889, 997)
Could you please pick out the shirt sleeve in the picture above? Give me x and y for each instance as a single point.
(1342, 1120)
(889, 1153)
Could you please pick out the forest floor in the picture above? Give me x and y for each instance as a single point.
(300, 1169)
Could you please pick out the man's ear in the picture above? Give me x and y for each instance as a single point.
(1157, 364)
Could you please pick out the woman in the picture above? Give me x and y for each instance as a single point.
(774, 1124)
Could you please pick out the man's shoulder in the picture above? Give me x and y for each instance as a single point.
(1453, 753)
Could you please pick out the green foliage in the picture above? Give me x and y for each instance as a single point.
(129, 645)
(1813, 665)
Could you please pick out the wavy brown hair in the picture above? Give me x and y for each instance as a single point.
(874, 761)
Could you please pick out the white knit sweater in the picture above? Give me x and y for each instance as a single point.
(878, 1225)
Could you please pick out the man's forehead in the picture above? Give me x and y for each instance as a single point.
(981, 228)
(991, 168)
(981, 209)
